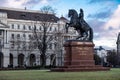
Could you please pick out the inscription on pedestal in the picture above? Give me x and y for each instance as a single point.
(83, 53)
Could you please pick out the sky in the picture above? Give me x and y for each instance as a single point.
(102, 15)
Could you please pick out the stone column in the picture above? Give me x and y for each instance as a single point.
(15, 59)
(5, 57)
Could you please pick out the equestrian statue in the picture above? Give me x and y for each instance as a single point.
(84, 30)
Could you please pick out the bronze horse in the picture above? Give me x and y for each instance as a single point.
(84, 30)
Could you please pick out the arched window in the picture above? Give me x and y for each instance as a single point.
(20, 60)
(11, 60)
(32, 60)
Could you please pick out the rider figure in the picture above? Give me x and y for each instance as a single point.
(81, 17)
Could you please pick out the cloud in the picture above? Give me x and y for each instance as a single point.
(3, 2)
(15, 3)
(97, 26)
(32, 1)
(101, 15)
(110, 30)
(97, 1)
(37, 2)
(114, 21)
(106, 38)
(102, 1)
(105, 32)
(12, 3)
(102, 37)
(107, 3)
(23, 3)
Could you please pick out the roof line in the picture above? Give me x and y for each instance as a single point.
(22, 10)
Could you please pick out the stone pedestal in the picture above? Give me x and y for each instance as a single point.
(79, 57)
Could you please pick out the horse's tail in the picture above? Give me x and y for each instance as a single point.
(91, 34)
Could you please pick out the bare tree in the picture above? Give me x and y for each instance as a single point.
(23, 46)
(44, 38)
(28, 47)
(112, 58)
(58, 50)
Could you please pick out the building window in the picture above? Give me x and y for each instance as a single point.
(12, 36)
(35, 45)
(0, 43)
(55, 45)
(24, 35)
(23, 15)
(40, 28)
(35, 27)
(55, 29)
(12, 45)
(0, 32)
(12, 26)
(29, 36)
(50, 46)
(23, 27)
(18, 36)
(29, 27)
(18, 26)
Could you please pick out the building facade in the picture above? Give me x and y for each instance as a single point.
(118, 48)
(102, 53)
(16, 30)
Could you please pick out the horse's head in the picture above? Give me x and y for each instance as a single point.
(70, 13)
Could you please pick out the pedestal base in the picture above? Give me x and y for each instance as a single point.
(80, 68)
(79, 57)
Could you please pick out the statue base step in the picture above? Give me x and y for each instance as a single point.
(80, 68)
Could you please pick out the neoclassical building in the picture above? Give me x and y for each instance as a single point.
(16, 30)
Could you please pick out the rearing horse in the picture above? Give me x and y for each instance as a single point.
(84, 30)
